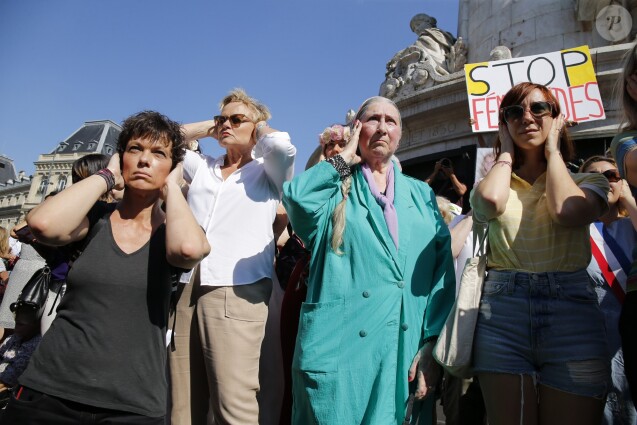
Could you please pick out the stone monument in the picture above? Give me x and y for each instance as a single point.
(429, 60)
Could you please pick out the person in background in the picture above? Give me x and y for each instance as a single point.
(6, 255)
(16, 351)
(380, 286)
(444, 182)
(294, 273)
(223, 304)
(613, 239)
(6, 250)
(60, 259)
(28, 263)
(105, 355)
(624, 151)
(87, 166)
(540, 349)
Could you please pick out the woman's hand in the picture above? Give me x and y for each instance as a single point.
(427, 372)
(349, 152)
(175, 178)
(626, 198)
(114, 167)
(506, 141)
(552, 145)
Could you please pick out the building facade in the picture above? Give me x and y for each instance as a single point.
(53, 170)
(14, 189)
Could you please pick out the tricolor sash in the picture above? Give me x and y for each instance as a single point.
(611, 259)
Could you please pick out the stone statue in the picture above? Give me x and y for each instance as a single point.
(499, 53)
(430, 59)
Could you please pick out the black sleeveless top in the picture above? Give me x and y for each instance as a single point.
(106, 347)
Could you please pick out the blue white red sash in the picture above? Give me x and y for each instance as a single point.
(611, 259)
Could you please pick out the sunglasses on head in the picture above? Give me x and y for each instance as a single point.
(516, 112)
(235, 120)
(611, 175)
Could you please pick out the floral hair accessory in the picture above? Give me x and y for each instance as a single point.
(336, 133)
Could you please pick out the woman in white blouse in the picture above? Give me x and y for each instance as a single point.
(234, 198)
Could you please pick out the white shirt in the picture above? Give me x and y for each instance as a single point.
(465, 253)
(15, 246)
(237, 214)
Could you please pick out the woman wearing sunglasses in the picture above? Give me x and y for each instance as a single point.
(624, 150)
(540, 348)
(613, 239)
(234, 198)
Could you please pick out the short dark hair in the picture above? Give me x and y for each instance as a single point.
(156, 127)
(88, 165)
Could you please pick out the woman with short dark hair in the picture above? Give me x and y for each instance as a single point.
(105, 356)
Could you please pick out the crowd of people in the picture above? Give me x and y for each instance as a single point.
(165, 305)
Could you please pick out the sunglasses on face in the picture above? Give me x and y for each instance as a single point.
(235, 120)
(516, 112)
(611, 175)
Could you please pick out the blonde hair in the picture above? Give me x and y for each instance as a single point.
(260, 111)
(4, 241)
(444, 205)
(338, 216)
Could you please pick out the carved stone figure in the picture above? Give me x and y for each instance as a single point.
(430, 59)
(499, 53)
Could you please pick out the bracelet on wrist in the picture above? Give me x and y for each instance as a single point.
(108, 177)
(340, 166)
(509, 163)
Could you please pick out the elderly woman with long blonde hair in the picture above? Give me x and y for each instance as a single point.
(381, 282)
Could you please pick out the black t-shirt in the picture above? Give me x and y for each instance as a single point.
(106, 347)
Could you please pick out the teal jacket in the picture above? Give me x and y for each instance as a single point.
(367, 311)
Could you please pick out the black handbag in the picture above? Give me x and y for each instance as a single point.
(32, 300)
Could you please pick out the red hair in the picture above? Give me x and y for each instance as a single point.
(515, 96)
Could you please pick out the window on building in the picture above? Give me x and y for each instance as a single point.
(108, 150)
(77, 145)
(61, 183)
(43, 185)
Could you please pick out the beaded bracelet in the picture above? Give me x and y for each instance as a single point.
(108, 177)
(341, 166)
(509, 163)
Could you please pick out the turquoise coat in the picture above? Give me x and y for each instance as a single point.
(367, 311)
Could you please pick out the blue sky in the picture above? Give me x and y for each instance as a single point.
(64, 62)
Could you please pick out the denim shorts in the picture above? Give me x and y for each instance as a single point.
(547, 325)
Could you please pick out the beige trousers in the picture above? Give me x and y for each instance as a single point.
(214, 370)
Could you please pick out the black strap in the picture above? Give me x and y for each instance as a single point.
(410, 408)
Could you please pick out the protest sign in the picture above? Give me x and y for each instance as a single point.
(568, 73)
